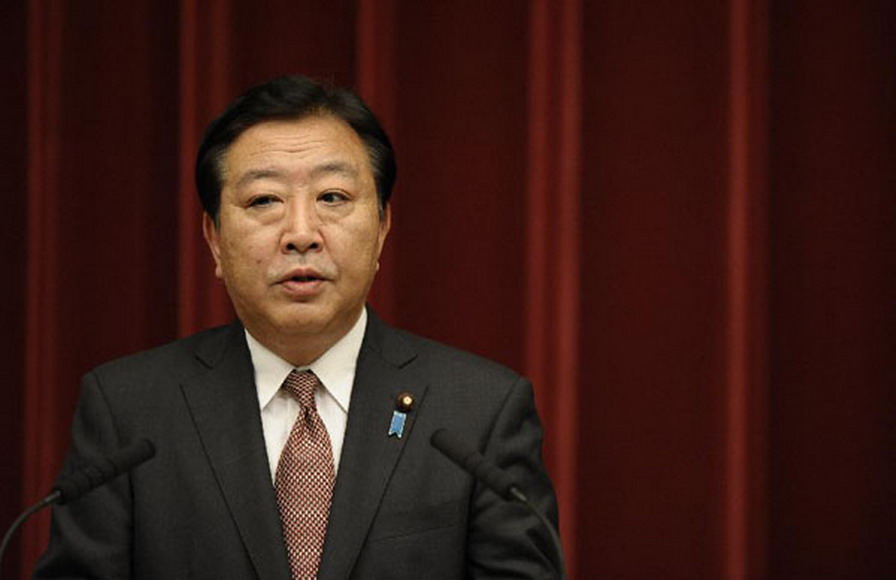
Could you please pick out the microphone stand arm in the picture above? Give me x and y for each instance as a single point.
(49, 500)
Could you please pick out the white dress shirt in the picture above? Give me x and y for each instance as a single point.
(336, 371)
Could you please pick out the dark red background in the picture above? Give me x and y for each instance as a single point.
(677, 217)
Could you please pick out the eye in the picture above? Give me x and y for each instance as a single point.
(261, 201)
(333, 197)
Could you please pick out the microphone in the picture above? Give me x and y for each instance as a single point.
(106, 469)
(86, 479)
(477, 465)
(496, 479)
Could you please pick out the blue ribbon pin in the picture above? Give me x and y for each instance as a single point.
(396, 427)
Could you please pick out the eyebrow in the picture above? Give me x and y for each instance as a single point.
(259, 174)
(328, 168)
(339, 167)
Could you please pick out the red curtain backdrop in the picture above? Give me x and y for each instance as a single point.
(677, 217)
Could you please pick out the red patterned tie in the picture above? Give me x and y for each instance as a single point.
(304, 480)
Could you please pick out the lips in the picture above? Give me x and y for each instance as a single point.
(301, 275)
(302, 283)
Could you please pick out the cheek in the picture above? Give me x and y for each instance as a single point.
(248, 254)
(363, 248)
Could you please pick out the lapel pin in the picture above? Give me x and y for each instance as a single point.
(403, 405)
(404, 402)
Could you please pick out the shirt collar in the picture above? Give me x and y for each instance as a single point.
(335, 368)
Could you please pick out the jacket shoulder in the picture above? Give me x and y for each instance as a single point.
(453, 355)
(449, 366)
(174, 359)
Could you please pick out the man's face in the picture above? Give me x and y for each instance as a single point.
(299, 232)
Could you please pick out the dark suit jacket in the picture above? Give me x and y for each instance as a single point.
(205, 507)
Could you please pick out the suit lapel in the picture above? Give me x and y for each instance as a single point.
(224, 406)
(369, 455)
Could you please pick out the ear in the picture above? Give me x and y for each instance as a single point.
(212, 238)
(385, 226)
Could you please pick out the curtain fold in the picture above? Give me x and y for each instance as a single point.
(747, 317)
(552, 263)
(41, 406)
(13, 230)
(204, 89)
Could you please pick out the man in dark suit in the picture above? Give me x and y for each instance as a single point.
(295, 443)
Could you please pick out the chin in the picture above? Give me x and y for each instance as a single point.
(311, 321)
(301, 326)
(302, 320)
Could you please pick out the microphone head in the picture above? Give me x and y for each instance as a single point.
(473, 462)
(133, 455)
(454, 448)
(91, 476)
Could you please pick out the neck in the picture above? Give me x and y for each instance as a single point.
(302, 348)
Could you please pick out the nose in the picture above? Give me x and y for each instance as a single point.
(301, 228)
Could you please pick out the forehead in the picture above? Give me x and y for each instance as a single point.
(318, 139)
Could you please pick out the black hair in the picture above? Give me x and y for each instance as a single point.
(290, 97)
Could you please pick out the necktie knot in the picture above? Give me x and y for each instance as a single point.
(301, 385)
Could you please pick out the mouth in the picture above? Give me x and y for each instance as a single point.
(302, 284)
(302, 275)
